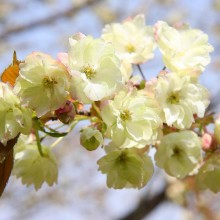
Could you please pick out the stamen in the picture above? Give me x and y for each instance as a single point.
(125, 115)
(173, 98)
(89, 71)
(130, 48)
(49, 83)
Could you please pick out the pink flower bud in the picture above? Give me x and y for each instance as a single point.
(208, 142)
(66, 113)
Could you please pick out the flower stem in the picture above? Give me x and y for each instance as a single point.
(141, 72)
(70, 128)
(36, 132)
(97, 110)
(38, 142)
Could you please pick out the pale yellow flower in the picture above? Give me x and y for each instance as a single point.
(94, 68)
(133, 40)
(126, 71)
(126, 168)
(43, 83)
(185, 51)
(180, 99)
(15, 119)
(132, 119)
(208, 176)
(31, 167)
(179, 153)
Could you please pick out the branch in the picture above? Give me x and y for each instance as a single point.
(49, 19)
(214, 104)
(145, 206)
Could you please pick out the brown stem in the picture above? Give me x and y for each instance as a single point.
(145, 206)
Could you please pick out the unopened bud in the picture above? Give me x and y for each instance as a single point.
(91, 138)
(207, 140)
(67, 113)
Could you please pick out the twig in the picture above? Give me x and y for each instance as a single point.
(141, 72)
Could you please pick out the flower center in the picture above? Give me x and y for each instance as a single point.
(180, 54)
(125, 115)
(49, 83)
(92, 140)
(9, 110)
(89, 71)
(177, 151)
(122, 157)
(130, 48)
(173, 98)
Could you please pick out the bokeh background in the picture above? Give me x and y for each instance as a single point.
(81, 192)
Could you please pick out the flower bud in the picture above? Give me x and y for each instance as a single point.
(67, 113)
(207, 142)
(91, 138)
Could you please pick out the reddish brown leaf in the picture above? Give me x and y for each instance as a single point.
(11, 73)
(5, 170)
(6, 162)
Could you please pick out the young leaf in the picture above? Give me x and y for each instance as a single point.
(11, 73)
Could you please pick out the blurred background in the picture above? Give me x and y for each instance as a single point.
(81, 192)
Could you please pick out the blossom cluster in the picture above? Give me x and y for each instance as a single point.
(129, 118)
